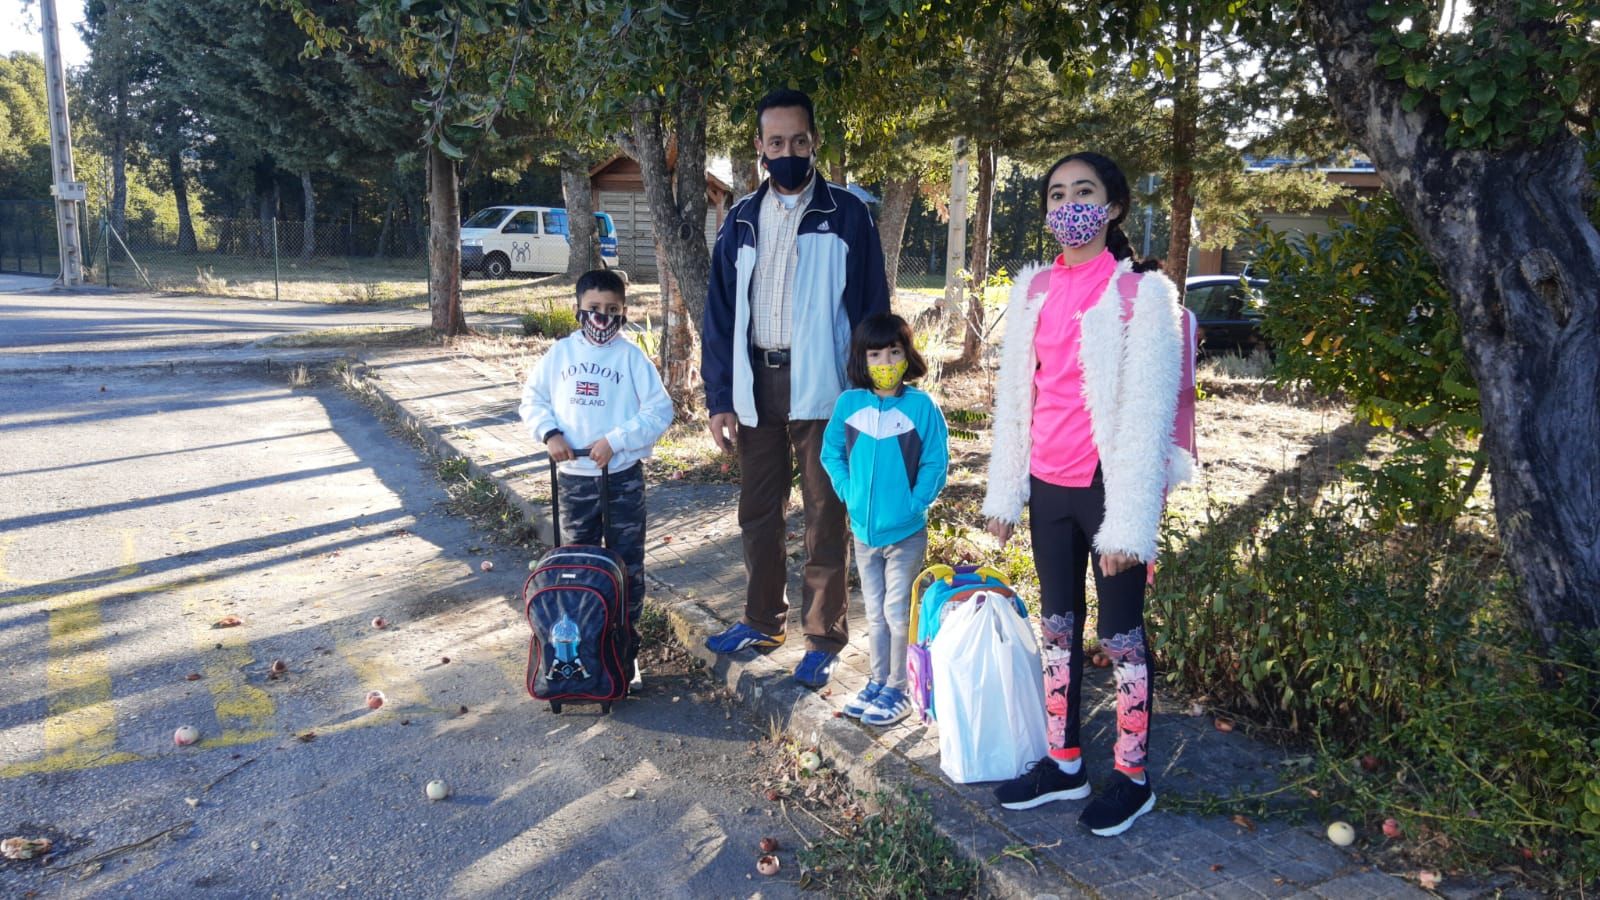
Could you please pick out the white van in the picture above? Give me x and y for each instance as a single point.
(500, 240)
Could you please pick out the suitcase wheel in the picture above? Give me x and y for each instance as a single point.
(605, 709)
(555, 707)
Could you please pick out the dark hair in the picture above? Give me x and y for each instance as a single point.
(875, 333)
(1116, 185)
(785, 98)
(603, 280)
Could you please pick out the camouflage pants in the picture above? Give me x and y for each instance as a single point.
(580, 524)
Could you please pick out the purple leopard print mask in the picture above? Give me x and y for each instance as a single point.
(1076, 224)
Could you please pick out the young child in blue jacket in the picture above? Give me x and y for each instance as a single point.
(886, 450)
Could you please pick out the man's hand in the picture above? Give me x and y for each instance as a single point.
(1117, 563)
(1001, 530)
(601, 452)
(724, 430)
(559, 450)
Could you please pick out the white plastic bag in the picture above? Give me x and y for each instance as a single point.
(990, 690)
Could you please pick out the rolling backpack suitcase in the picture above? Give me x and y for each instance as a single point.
(937, 591)
(576, 602)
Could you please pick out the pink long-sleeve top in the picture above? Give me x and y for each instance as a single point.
(1064, 453)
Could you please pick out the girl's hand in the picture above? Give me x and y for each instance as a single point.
(1001, 530)
(1117, 563)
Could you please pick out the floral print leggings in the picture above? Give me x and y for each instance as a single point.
(1063, 524)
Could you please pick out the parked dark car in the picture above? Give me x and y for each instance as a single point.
(1228, 311)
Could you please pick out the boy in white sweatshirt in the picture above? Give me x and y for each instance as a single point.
(593, 389)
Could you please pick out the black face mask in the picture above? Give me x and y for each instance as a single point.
(789, 172)
(600, 327)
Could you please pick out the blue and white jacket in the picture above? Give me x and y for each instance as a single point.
(838, 282)
(887, 458)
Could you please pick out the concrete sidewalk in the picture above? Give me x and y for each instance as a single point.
(462, 407)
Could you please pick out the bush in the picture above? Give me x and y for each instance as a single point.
(1409, 651)
(550, 323)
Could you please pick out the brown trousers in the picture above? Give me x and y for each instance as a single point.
(767, 455)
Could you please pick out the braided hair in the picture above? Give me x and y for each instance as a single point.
(1117, 193)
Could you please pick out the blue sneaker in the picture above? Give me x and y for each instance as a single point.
(740, 637)
(891, 706)
(815, 667)
(861, 702)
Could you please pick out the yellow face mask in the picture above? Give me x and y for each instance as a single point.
(886, 377)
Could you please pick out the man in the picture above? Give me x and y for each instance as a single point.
(796, 267)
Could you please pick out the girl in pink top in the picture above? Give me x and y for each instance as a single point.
(1083, 435)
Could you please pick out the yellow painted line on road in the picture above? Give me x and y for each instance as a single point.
(246, 713)
(127, 569)
(80, 730)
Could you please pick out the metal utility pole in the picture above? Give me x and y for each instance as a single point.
(955, 250)
(67, 191)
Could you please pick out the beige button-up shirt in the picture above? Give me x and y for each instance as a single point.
(772, 286)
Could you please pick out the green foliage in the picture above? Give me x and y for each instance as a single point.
(24, 128)
(553, 322)
(1516, 75)
(1364, 312)
(896, 852)
(1411, 652)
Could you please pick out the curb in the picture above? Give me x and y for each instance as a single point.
(767, 689)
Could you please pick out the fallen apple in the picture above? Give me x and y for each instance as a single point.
(380, 622)
(1369, 763)
(486, 566)
(438, 790)
(810, 762)
(1391, 828)
(769, 845)
(374, 699)
(185, 735)
(1341, 834)
(279, 667)
(767, 865)
(1223, 725)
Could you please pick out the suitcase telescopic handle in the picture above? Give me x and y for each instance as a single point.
(605, 503)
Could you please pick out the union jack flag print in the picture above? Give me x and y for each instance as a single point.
(588, 389)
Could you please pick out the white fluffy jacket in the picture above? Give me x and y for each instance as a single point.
(1131, 372)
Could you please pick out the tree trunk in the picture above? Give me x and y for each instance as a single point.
(746, 173)
(677, 198)
(972, 334)
(180, 193)
(444, 245)
(583, 240)
(898, 195)
(308, 228)
(837, 174)
(263, 242)
(1185, 127)
(1513, 242)
(382, 249)
(677, 342)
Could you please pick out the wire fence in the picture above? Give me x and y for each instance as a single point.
(266, 258)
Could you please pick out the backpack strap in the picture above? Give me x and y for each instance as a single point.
(1040, 285)
(925, 580)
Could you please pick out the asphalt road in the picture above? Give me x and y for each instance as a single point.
(138, 509)
(43, 330)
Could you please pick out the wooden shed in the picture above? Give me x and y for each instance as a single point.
(619, 190)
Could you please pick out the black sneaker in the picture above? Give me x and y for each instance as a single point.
(1042, 782)
(1118, 805)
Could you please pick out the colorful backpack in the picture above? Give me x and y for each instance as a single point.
(935, 593)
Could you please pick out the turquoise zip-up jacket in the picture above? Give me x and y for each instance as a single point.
(887, 458)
